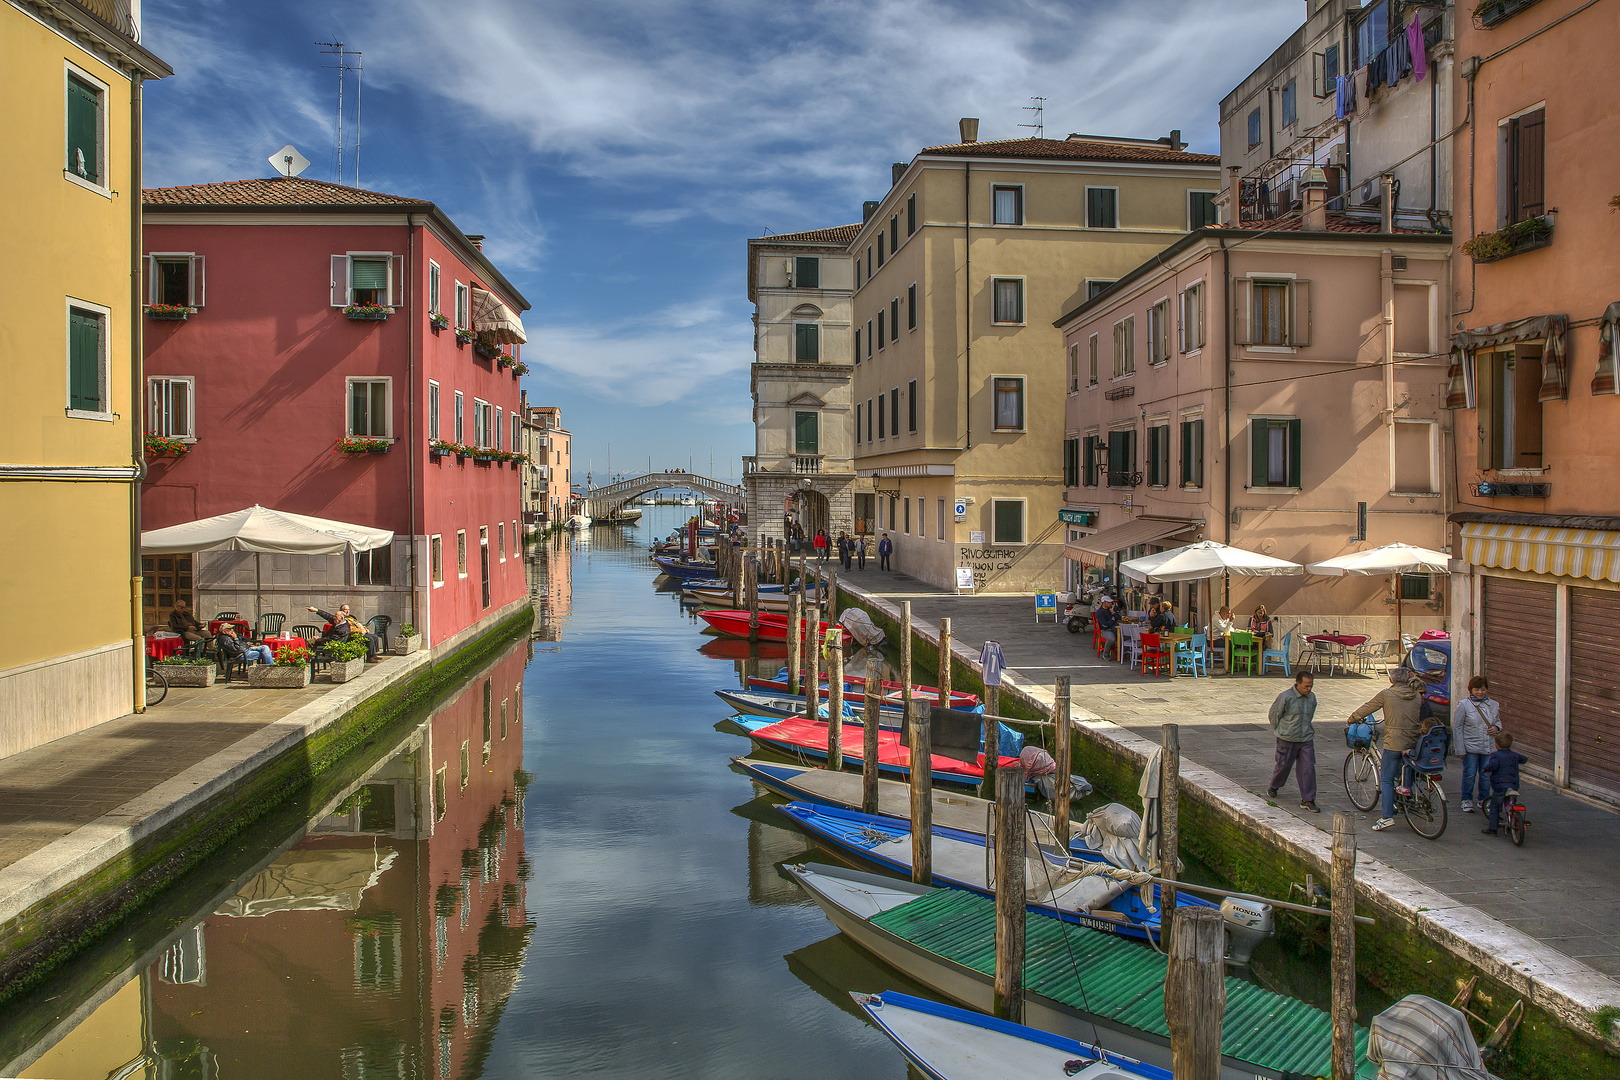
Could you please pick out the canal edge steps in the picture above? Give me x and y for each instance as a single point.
(1410, 913)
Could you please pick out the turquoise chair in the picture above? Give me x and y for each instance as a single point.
(1193, 656)
(1277, 656)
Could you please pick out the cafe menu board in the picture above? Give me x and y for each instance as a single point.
(964, 578)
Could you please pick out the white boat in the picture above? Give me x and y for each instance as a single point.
(688, 501)
(579, 521)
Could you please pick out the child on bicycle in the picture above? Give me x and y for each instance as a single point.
(1503, 769)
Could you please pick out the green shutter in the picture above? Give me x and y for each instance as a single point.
(1089, 462)
(370, 274)
(807, 272)
(806, 343)
(1294, 438)
(1257, 453)
(805, 440)
(83, 129)
(84, 361)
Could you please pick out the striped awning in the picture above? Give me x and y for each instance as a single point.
(495, 319)
(1095, 549)
(1579, 553)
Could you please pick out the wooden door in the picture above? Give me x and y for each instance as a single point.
(1518, 657)
(1594, 687)
(164, 579)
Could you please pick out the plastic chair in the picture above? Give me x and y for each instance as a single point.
(226, 616)
(379, 624)
(269, 625)
(310, 634)
(1245, 651)
(1278, 656)
(1155, 657)
(1098, 641)
(1130, 641)
(1192, 656)
(1379, 654)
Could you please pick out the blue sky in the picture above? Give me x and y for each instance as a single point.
(618, 153)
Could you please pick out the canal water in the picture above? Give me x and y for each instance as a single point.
(554, 872)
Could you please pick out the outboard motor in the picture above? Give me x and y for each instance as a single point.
(1248, 923)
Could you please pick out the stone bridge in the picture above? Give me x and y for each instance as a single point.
(602, 501)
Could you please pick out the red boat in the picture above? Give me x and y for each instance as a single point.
(802, 736)
(855, 691)
(772, 627)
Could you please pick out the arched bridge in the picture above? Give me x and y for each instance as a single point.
(603, 500)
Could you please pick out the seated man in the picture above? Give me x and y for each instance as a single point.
(343, 626)
(231, 647)
(1107, 620)
(184, 623)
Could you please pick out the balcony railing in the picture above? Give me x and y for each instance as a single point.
(807, 464)
(1124, 479)
(115, 13)
(791, 464)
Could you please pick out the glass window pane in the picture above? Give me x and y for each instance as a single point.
(1277, 455)
(1009, 301)
(179, 408)
(1007, 206)
(1008, 522)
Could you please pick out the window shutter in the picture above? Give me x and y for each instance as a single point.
(1197, 295)
(84, 362)
(396, 281)
(154, 406)
(1300, 332)
(1485, 391)
(1530, 198)
(1258, 444)
(151, 279)
(1130, 450)
(340, 281)
(83, 133)
(1243, 311)
(1198, 453)
(199, 282)
(1294, 440)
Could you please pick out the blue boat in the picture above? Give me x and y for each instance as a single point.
(685, 571)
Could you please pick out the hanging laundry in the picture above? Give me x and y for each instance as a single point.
(1265, 200)
(1339, 94)
(1414, 45)
(1400, 64)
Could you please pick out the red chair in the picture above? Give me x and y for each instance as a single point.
(1155, 657)
(1098, 641)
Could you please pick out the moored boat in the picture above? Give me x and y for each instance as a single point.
(684, 570)
(772, 626)
(803, 738)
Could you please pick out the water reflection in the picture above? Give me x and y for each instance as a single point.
(548, 564)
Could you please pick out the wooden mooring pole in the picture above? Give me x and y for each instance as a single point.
(1169, 824)
(1009, 982)
(905, 656)
(812, 661)
(1344, 946)
(1195, 994)
(922, 793)
(944, 663)
(832, 593)
(751, 579)
(1060, 752)
(795, 611)
(835, 706)
(869, 742)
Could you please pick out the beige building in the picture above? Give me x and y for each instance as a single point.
(546, 474)
(960, 271)
(802, 471)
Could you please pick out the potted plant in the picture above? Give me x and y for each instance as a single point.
(359, 444)
(407, 641)
(165, 446)
(486, 348)
(184, 671)
(368, 312)
(462, 452)
(437, 323)
(168, 312)
(519, 368)
(464, 337)
(348, 658)
(289, 672)
(1521, 236)
(438, 448)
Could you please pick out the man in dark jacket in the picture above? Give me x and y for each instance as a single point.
(1502, 768)
(1107, 620)
(885, 549)
(344, 625)
(1402, 705)
(184, 623)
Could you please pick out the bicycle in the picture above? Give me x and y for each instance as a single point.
(1424, 806)
(157, 684)
(1513, 816)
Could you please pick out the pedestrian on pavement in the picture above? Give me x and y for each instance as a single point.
(1402, 704)
(1475, 720)
(820, 544)
(885, 549)
(860, 552)
(846, 548)
(1503, 769)
(1291, 716)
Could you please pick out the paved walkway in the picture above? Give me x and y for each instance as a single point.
(1562, 887)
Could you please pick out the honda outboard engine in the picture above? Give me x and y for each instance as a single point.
(1248, 923)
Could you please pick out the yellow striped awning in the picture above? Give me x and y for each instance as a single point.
(1580, 553)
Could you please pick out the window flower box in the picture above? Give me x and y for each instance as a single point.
(438, 323)
(1494, 12)
(519, 368)
(356, 444)
(168, 312)
(183, 671)
(165, 446)
(1521, 236)
(464, 337)
(368, 312)
(439, 448)
(488, 352)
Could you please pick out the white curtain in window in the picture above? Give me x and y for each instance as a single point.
(1009, 301)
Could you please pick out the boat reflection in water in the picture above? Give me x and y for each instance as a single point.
(383, 939)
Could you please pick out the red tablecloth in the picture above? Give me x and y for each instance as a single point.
(1434, 635)
(277, 644)
(1348, 640)
(159, 647)
(243, 627)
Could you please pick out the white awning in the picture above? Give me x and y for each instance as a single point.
(1095, 549)
(259, 528)
(494, 318)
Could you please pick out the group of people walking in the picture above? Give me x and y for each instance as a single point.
(851, 551)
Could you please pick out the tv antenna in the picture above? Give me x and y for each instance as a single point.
(289, 162)
(343, 67)
(1039, 109)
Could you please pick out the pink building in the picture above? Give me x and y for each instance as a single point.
(295, 321)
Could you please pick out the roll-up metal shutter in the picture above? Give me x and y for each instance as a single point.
(1518, 654)
(1594, 687)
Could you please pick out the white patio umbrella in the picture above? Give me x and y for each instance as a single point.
(260, 529)
(1391, 560)
(1205, 560)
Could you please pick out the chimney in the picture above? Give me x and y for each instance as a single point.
(969, 127)
(896, 171)
(868, 208)
(1174, 140)
(1313, 192)
(477, 240)
(1386, 204)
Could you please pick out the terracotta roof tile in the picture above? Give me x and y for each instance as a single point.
(1073, 150)
(273, 192)
(1336, 223)
(841, 234)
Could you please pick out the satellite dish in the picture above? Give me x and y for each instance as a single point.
(288, 161)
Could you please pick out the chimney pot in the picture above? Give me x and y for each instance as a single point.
(1175, 140)
(1386, 204)
(477, 240)
(896, 171)
(1313, 192)
(969, 127)
(868, 208)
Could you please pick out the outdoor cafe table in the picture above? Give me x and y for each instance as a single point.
(1336, 647)
(242, 626)
(1170, 640)
(289, 642)
(159, 647)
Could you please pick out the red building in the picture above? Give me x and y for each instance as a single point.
(341, 353)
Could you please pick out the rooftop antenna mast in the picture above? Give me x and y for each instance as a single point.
(1039, 109)
(343, 67)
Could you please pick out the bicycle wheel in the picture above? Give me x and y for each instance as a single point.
(1515, 826)
(157, 687)
(1425, 809)
(1361, 779)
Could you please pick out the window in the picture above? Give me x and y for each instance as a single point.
(1009, 298)
(436, 559)
(1008, 205)
(1088, 461)
(857, 272)
(880, 412)
(500, 540)
(1372, 34)
(1071, 462)
(169, 410)
(1274, 452)
(1074, 368)
(1415, 586)
(911, 213)
(368, 281)
(806, 433)
(1201, 209)
(374, 567)
(517, 435)
(1122, 457)
(893, 514)
(86, 114)
(460, 438)
(478, 423)
(806, 343)
(1507, 386)
(368, 408)
(1325, 72)
(1159, 455)
(939, 518)
(1091, 345)
(807, 272)
(894, 233)
(1192, 318)
(1271, 313)
(433, 287)
(433, 409)
(1520, 162)
(869, 419)
(857, 345)
(1096, 288)
(1009, 404)
(175, 279)
(1290, 103)
(1254, 129)
(1414, 465)
(1159, 332)
(894, 319)
(911, 307)
(1125, 347)
(857, 423)
(1192, 453)
(880, 250)
(462, 322)
(882, 339)
(87, 360)
(911, 405)
(1102, 208)
(894, 412)
(906, 510)
(869, 338)
(1007, 521)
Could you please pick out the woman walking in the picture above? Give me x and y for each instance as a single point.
(1475, 721)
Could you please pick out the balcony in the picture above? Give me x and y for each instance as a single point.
(117, 14)
(788, 465)
(1493, 12)
(1124, 479)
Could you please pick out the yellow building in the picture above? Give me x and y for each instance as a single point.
(70, 398)
(959, 381)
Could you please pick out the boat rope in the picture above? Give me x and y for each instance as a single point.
(1063, 929)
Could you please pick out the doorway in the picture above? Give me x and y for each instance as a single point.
(808, 510)
(164, 579)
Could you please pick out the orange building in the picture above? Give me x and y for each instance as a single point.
(1534, 314)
